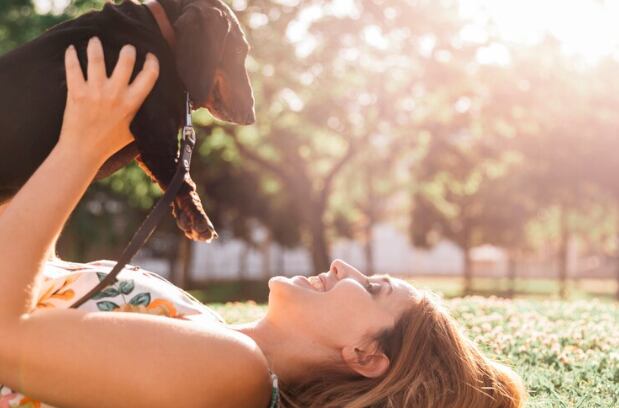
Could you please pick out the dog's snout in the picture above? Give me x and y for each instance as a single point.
(251, 117)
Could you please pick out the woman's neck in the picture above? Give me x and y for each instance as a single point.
(289, 354)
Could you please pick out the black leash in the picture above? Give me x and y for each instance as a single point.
(162, 207)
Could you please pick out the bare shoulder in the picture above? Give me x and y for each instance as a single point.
(228, 370)
(132, 360)
(244, 379)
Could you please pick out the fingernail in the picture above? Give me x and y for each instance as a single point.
(151, 59)
(71, 48)
(93, 40)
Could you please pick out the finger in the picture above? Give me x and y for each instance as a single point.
(75, 76)
(124, 66)
(144, 81)
(96, 63)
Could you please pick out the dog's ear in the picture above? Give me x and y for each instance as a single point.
(200, 34)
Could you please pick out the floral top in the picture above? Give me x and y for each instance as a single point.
(135, 290)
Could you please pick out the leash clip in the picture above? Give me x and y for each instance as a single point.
(189, 141)
(189, 136)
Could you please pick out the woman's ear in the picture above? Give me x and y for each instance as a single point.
(367, 361)
(200, 34)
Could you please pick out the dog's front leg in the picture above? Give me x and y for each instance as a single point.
(187, 206)
(155, 136)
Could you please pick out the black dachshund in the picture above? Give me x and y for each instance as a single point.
(202, 51)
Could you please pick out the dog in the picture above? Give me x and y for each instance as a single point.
(203, 51)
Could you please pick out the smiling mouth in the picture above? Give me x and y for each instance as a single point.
(316, 283)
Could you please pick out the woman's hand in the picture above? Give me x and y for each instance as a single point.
(95, 125)
(98, 111)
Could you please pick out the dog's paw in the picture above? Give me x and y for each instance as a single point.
(192, 220)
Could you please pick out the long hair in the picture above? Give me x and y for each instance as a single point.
(432, 365)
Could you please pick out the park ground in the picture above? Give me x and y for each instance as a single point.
(567, 351)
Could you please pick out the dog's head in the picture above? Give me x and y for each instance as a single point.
(210, 58)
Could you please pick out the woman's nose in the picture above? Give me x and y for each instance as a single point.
(337, 267)
(341, 269)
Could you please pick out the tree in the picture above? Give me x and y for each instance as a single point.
(455, 201)
(353, 75)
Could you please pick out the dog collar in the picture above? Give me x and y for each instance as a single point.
(163, 22)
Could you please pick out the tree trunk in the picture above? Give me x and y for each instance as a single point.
(617, 269)
(181, 268)
(468, 271)
(281, 263)
(319, 248)
(511, 273)
(368, 250)
(371, 212)
(563, 254)
(171, 257)
(243, 254)
(265, 249)
(464, 240)
(242, 273)
(617, 261)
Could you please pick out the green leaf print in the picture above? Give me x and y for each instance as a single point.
(107, 292)
(106, 306)
(126, 286)
(102, 275)
(141, 299)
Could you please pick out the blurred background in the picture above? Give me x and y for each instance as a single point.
(469, 146)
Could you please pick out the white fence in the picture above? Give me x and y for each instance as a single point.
(230, 259)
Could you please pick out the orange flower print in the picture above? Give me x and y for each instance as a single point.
(27, 402)
(160, 307)
(49, 291)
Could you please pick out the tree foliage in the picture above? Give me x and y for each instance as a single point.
(384, 111)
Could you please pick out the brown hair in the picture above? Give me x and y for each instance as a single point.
(432, 365)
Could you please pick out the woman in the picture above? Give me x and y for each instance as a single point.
(338, 340)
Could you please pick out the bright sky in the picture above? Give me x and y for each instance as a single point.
(589, 28)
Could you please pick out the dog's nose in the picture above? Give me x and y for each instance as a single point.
(251, 118)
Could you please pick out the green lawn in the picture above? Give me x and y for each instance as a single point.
(567, 352)
(532, 288)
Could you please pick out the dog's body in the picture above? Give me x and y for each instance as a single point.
(33, 96)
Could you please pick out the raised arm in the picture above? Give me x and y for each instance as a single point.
(95, 125)
(70, 358)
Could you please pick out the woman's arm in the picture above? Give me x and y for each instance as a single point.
(70, 358)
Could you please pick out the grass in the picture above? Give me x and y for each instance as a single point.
(566, 351)
(532, 288)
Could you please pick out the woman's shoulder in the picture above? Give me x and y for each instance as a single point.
(249, 366)
(237, 366)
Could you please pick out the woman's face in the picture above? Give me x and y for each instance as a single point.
(339, 311)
